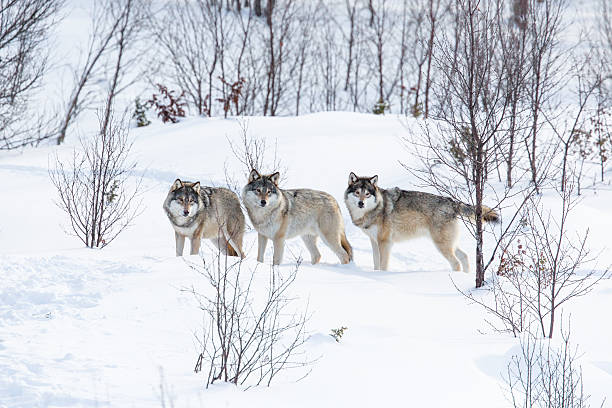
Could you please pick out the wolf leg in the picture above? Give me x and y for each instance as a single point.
(180, 243)
(195, 244)
(279, 247)
(375, 253)
(463, 258)
(384, 248)
(447, 250)
(335, 244)
(262, 241)
(311, 244)
(230, 240)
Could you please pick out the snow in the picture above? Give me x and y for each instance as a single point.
(116, 327)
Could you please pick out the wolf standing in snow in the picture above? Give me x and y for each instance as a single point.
(393, 215)
(282, 214)
(205, 212)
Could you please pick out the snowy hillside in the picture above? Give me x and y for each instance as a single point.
(122, 326)
(115, 327)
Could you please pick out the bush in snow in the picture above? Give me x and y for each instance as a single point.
(540, 270)
(338, 333)
(250, 335)
(380, 107)
(93, 188)
(169, 107)
(543, 375)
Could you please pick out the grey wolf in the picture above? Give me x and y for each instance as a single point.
(199, 212)
(392, 215)
(279, 215)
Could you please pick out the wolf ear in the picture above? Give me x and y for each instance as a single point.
(274, 178)
(253, 175)
(374, 180)
(352, 178)
(176, 185)
(196, 187)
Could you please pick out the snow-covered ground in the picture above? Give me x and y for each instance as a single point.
(113, 327)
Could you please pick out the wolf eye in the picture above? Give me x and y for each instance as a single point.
(191, 200)
(357, 192)
(258, 190)
(367, 194)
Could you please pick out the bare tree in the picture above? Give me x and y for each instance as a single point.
(23, 61)
(605, 28)
(186, 35)
(129, 14)
(419, 55)
(540, 270)
(475, 109)
(303, 52)
(433, 14)
(588, 78)
(93, 188)
(357, 56)
(351, 11)
(381, 24)
(105, 26)
(543, 27)
(281, 18)
(328, 57)
(544, 376)
(514, 56)
(601, 127)
(251, 334)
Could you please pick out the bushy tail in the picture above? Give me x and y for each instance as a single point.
(488, 214)
(347, 247)
(230, 250)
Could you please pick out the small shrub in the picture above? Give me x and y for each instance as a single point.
(338, 333)
(93, 186)
(140, 114)
(249, 335)
(233, 94)
(380, 107)
(169, 107)
(416, 110)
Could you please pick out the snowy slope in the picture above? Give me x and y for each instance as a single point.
(113, 327)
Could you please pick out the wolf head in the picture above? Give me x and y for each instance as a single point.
(184, 198)
(362, 192)
(261, 190)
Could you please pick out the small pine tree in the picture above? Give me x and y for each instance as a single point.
(417, 109)
(380, 107)
(140, 114)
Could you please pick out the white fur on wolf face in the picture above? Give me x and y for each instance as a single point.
(178, 210)
(352, 202)
(252, 200)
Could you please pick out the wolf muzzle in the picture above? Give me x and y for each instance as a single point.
(263, 203)
(360, 204)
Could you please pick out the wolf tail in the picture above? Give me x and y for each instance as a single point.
(488, 214)
(230, 250)
(346, 246)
